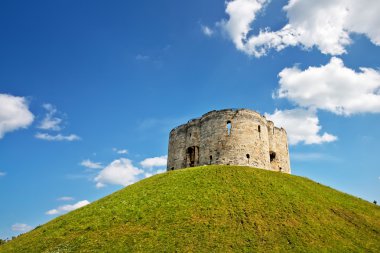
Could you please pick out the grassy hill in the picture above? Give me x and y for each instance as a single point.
(213, 209)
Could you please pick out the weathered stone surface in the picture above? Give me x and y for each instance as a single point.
(235, 137)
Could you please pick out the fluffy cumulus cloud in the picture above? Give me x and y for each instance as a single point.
(302, 126)
(241, 14)
(326, 24)
(57, 137)
(154, 162)
(14, 114)
(67, 208)
(332, 87)
(21, 227)
(119, 172)
(154, 165)
(91, 165)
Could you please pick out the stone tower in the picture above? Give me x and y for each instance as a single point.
(229, 137)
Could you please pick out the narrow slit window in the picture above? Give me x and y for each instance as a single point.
(229, 127)
(259, 130)
(210, 159)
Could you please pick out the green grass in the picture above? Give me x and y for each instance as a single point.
(213, 209)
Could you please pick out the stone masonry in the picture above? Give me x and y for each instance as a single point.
(229, 137)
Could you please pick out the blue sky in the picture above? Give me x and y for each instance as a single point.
(89, 91)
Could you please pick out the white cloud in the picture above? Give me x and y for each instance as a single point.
(207, 30)
(58, 137)
(53, 123)
(2, 174)
(90, 164)
(301, 126)
(120, 151)
(149, 174)
(68, 208)
(326, 24)
(52, 212)
(332, 87)
(154, 162)
(20, 227)
(50, 121)
(241, 14)
(65, 198)
(14, 114)
(118, 172)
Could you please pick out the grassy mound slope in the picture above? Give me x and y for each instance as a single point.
(213, 209)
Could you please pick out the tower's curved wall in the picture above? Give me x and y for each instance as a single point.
(231, 137)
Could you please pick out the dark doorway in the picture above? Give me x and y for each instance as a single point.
(272, 156)
(192, 156)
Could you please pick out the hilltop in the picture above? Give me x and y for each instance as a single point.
(213, 209)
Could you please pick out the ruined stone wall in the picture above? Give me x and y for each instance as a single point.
(278, 148)
(177, 148)
(235, 137)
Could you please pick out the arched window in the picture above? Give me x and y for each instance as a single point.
(248, 156)
(229, 127)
